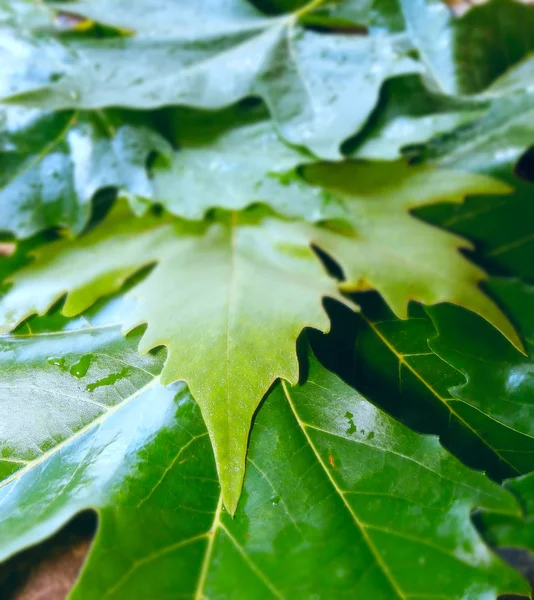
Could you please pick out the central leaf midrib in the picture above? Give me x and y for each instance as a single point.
(230, 317)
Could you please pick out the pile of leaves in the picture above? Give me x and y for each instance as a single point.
(267, 302)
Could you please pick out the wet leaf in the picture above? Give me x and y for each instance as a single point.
(499, 380)
(52, 164)
(241, 289)
(210, 55)
(379, 511)
(228, 300)
(517, 531)
(232, 159)
(465, 55)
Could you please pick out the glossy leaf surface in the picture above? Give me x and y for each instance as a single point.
(514, 532)
(500, 381)
(245, 261)
(349, 526)
(395, 367)
(409, 114)
(228, 301)
(495, 140)
(209, 55)
(52, 164)
(465, 55)
(501, 231)
(158, 267)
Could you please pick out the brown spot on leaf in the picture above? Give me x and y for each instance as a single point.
(331, 461)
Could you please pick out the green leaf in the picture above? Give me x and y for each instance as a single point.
(502, 233)
(228, 300)
(86, 370)
(465, 55)
(364, 13)
(409, 114)
(52, 164)
(493, 141)
(231, 159)
(514, 531)
(209, 55)
(400, 256)
(267, 283)
(394, 367)
(378, 512)
(499, 382)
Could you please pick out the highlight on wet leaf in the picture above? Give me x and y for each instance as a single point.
(266, 297)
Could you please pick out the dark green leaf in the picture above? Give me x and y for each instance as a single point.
(499, 380)
(396, 369)
(340, 500)
(514, 532)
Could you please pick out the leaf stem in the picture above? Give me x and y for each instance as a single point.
(308, 8)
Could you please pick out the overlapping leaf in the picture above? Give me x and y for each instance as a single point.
(210, 55)
(402, 257)
(339, 499)
(232, 159)
(228, 300)
(495, 140)
(52, 164)
(409, 114)
(517, 531)
(240, 290)
(465, 55)
(391, 363)
(394, 365)
(500, 381)
(502, 230)
(386, 512)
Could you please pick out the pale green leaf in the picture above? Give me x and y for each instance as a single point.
(400, 256)
(228, 300)
(240, 290)
(232, 159)
(409, 114)
(464, 55)
(494, 141)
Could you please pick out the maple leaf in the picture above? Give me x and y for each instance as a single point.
(399, 366)
(409, 115)
(228, 301)
(269, 286)
(141, 459)
(52, 164)
(339, 498)
(493, 141)
(513, 531)
(479, 417)
(210, 55)
(385, 248)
